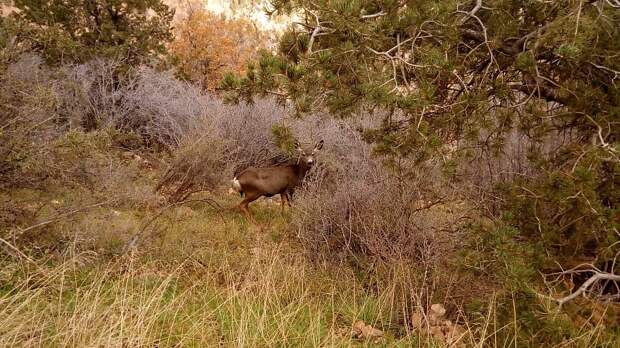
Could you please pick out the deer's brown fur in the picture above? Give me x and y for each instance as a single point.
(254, 183)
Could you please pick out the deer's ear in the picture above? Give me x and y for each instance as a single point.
(298, 146)
(318, 146)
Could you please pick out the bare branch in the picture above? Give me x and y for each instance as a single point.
(541, 89)
(392, 58)
(472, 13)
(591, 281)
(602, 67)
(508, 46)
(315, 31)
(304, 25)
(613, 3)
(374, 15)
(19, 252)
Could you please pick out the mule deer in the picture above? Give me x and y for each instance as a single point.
(253, 183)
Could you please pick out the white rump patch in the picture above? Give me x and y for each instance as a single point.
(236, 185)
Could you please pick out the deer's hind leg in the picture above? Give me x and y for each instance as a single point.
(244, 205)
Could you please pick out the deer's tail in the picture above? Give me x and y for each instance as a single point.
(236, 185)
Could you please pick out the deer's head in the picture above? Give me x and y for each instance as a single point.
(308, 158)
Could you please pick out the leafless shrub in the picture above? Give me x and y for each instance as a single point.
(248, 128)
(96, 95)
(88, 94)
(377, 216)
(161, 108)
(42, 144)
(151, 104)
(25, 101)
(355, 206)
(198, 165)
(29, 68)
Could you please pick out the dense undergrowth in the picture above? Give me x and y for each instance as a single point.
(115, 230)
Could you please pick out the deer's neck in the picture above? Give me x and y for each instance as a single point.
(301, 169)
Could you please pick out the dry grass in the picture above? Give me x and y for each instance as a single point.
(195, 280)
(223, 283)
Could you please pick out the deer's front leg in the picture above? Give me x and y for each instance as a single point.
(282, 202)
(285, 200)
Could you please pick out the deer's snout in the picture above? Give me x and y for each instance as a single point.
(310, 161)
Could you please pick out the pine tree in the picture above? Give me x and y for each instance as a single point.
(474, 72)
(79, 30)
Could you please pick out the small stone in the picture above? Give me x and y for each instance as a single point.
(435, 315)
(358, 328)
(361, 330)
(438, 309)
